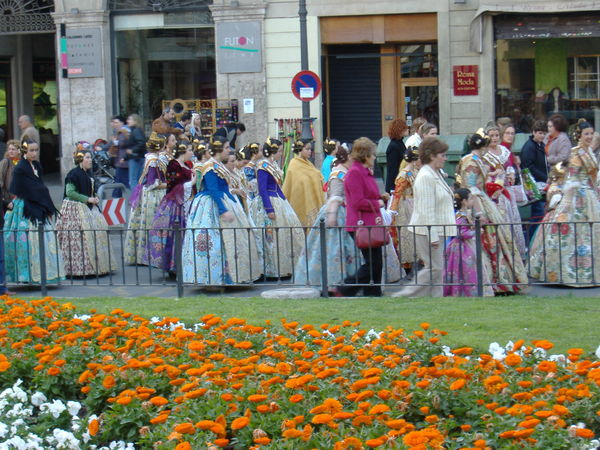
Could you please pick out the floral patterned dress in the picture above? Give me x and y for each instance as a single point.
(507, 269)
(508, 205)
(216, 252)
(144, 200)
(570, 253)
(461, 263)
(403, 203)
(170, 210)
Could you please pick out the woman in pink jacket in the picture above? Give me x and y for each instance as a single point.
(363, 201)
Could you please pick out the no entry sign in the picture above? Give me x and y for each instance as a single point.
(306, 86)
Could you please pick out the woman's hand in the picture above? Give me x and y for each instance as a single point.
(93, 200)
(331, 219)
(227, 216)
(385, 197)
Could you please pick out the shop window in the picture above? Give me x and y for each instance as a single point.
(584, 80)
(164, 64)
(419, 60)
(538, 77)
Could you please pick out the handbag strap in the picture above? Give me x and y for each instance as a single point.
(360, 215)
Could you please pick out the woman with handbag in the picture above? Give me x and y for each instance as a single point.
(431, 218)
(363, 202)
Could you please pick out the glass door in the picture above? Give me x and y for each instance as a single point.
(420, 99)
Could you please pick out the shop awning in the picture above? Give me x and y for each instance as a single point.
(528, 7)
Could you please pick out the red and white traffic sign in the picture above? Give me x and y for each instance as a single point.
(114, 211)
(306, 85)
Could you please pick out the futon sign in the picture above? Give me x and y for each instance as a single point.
(466, 80)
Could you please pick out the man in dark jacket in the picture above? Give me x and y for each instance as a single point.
(136, 149)
(230, 132)
(533, 157)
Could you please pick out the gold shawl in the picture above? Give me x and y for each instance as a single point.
(303, 187)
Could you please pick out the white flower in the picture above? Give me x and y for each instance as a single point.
(83, 317)
(73, 407)
(598, 352)
(539, 352)
(16, 442)
(447, 351)
(64, 440)
(38, 398)
(55, 408)
(497, 351)
(3, 429)
(560, 359)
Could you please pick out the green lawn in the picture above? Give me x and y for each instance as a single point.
(566, 321)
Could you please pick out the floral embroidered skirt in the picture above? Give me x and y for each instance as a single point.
(215, 252)
(84, 241)
(140, 222)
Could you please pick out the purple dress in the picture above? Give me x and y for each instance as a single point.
(170, 210)
(461, 263)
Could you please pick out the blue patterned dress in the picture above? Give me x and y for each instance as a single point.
(216, 252)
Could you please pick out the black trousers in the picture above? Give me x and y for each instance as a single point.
(369, 271)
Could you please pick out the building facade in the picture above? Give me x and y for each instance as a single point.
(71, 64)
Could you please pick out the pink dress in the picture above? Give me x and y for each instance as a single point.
(461, 263)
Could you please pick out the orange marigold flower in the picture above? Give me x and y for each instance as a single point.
(93, 427)
(547, 366)
(292, 433)
(379, 409)
(162, 418)
(424, 325)
(546, 345)
(257, 398)
(512, 359)
(185, 428)
(159, 401)
(53, 371)
(262, 440)
(431, 419)
(108, 382)
(529, 423)
(480, 443)
(322, 419)
(458, 384)
(222, 442)
(584, 433)
(561, 410)
(373, 443)
(239, 423)
(183, 446)
(296, 398)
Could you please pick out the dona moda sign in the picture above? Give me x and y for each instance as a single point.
(239, 47)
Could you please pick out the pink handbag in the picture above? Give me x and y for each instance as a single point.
(371, 237)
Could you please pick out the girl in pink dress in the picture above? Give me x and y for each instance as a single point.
(460, 276)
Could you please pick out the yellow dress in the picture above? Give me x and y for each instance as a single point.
(303, 187)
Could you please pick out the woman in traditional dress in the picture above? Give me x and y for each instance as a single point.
(81, 227)
(283, 238)
(341, 251)
(502, 171)
(7, 166)
(144, 200)
(554, 194)
(32, 205)
(402, 203)
(171, 211)
(507, 273)
(303, 185)
(219, 247)
(460, 273)
(570, 254)
(330, 147)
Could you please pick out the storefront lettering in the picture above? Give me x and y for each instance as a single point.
(466, 80)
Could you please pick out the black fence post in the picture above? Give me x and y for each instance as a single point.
(323, 240)
(178, 250)
(478, 250)
(43, 274)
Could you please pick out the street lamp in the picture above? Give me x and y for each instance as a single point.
(302, 12)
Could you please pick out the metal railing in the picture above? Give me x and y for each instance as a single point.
(321, 257)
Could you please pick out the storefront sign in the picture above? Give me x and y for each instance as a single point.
(466, 80)
(83, 52)
(239, 47)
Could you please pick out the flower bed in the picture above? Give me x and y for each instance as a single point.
(233, 385)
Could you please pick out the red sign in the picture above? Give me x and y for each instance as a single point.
(466, 80)
(306, 86)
